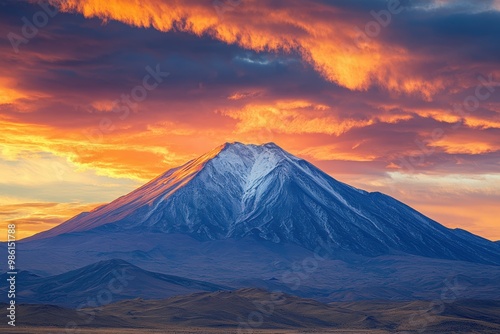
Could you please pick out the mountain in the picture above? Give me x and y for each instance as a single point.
(253, 262)
(238, 190)
(252, 310)
(101, 283)
(256, 216)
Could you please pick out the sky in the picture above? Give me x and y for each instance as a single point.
(98, 97)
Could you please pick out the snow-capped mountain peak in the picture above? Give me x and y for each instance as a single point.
(239, 190)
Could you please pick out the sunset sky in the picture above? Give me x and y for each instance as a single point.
(101, 96)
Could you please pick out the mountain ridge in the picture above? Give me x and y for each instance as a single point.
(104, 281)
(237, 190)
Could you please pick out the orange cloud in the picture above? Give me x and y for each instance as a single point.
(335, 152)
(31, 218)
(292, 117)
(297, 117)
(480, 123)
(460, 145)
(112, 156)
(330, 42)
(8, 94)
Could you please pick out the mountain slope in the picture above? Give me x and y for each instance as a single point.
(239, 190)
(253, 262)
(102, 283)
